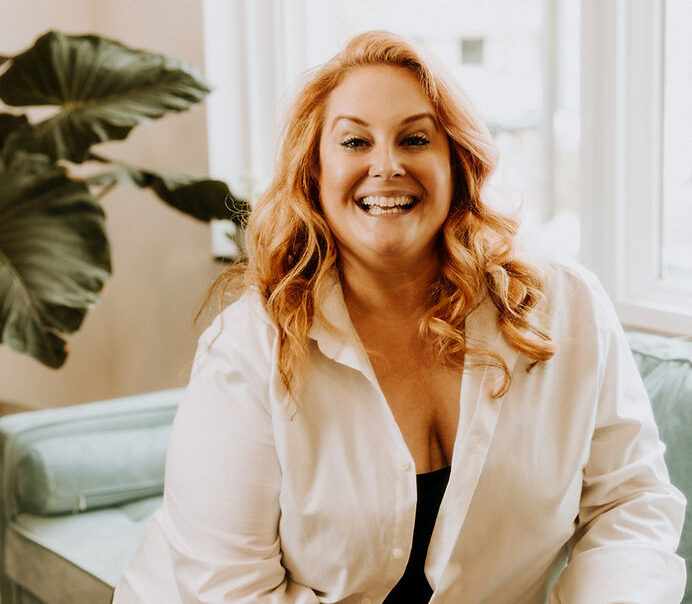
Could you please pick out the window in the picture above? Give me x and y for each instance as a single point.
(525, 51)
(677, 143)
(588, 103)
(635, 208)
(472, 51)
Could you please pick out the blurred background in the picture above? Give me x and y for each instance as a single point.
(588, 102)
(140, 337)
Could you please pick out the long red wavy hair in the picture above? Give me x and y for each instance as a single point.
(291, 251)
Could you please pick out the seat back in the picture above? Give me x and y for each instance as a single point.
(666, 368)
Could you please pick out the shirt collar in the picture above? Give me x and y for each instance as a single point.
(334, 333)
(337, 339)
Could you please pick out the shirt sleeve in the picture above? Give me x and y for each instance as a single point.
(630, 516)
(221, 500)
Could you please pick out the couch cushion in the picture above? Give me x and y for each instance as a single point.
(666, 368)
(76, 472)
(75, 558)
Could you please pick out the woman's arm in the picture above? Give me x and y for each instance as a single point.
(630, 516)
(221, 501)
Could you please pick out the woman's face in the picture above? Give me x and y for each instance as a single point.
(385, 175)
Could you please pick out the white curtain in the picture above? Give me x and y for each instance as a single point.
(255, 51)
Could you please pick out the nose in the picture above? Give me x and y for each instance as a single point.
(385, 162)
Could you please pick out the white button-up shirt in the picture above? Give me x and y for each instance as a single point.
(315, 502)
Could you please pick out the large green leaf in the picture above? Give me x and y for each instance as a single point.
(202, 198)
(104, 90)
(54, 256)
(9, 123)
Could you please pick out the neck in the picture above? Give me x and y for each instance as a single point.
(391, 293)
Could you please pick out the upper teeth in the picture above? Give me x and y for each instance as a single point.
(387, 202)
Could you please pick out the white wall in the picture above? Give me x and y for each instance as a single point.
(140, 337)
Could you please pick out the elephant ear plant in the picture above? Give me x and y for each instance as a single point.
(54, 251)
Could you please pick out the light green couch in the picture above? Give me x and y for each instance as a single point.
(79, 482)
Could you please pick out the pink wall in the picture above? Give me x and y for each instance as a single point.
(140, 337)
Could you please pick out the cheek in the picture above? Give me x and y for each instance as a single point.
(337, 177)
(438, 179)
(443, 177)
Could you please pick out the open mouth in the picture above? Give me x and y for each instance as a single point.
(377, 205)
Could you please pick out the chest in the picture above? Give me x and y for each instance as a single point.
(351, 492)
(423, 396)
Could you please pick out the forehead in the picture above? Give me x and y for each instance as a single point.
(378, 92)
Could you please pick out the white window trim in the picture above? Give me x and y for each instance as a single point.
(621, 162)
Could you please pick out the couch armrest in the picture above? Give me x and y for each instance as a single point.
(28, 441)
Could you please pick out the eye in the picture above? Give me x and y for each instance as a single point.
(354, 142)
(416, 140)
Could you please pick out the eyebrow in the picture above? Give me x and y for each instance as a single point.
(408, 120)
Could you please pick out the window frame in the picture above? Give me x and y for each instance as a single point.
(622, 165)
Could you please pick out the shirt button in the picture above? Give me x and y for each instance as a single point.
(405, 465)
(366, 601)
(398, 553)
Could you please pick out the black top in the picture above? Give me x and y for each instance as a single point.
(413, 587)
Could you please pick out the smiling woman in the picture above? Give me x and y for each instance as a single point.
(398, 408)
(293, 253)
(385, 175)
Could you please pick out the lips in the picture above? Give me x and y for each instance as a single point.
(377, 205)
